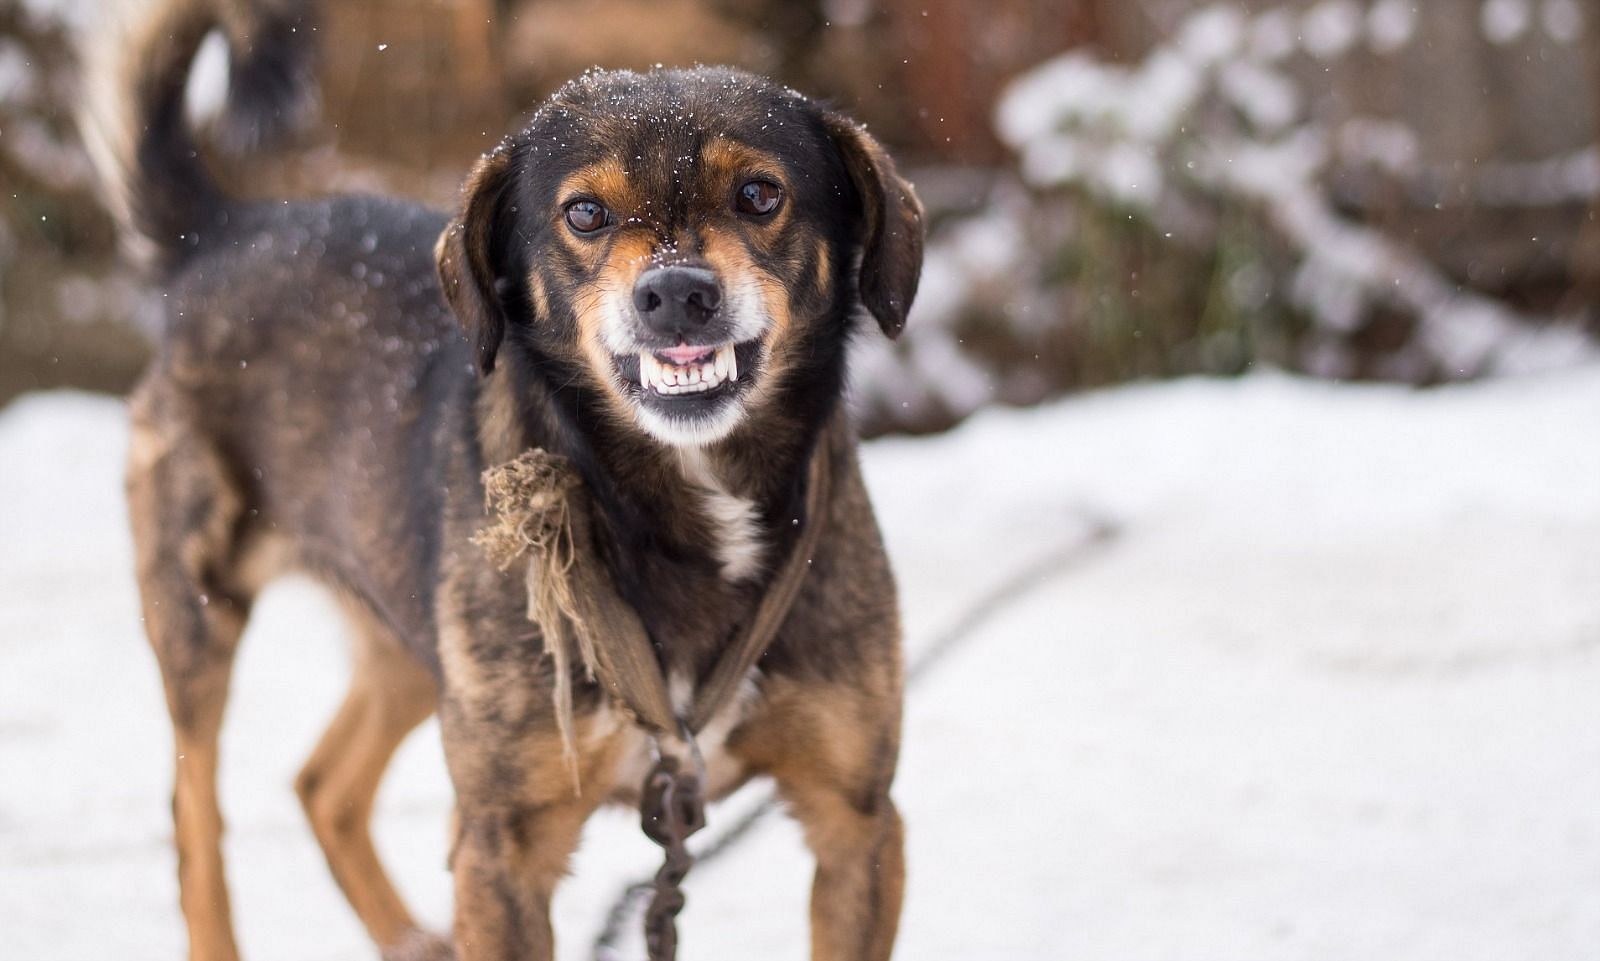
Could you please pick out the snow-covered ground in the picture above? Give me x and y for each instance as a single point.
(1332, 691)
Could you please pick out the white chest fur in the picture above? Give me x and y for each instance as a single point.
(737, 532)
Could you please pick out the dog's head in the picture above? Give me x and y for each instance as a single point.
(682, 241)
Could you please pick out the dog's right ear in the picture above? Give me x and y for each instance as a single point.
(469, 258)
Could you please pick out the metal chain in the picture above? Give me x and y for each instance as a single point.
(671, 809)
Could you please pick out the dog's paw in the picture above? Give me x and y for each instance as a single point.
(419, 945)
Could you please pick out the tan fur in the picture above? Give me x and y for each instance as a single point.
(390, 694)
(498, 430)
(727, 159)
(729, 164)
(608, 182)
(355, 452)
(824, 276)
(822, 744)
(538, 295)
(177, 566)
(732, 258)
(161, 33)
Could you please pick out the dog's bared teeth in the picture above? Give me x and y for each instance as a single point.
(669, 379)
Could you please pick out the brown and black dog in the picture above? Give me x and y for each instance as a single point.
(657, 278)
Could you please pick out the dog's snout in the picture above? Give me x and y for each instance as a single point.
(677, 300)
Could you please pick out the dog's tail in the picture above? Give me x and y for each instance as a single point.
(135, 117)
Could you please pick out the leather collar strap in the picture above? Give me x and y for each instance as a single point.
(624, 660)
(542, 511)
(672, 803)
(737, 661)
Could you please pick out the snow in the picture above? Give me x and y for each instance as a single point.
(1146, 138)
(1390, 25)
(1328, 693)
(1563, 20)
(1268, 98)
(1211, 36)
(1387, 144)
(1504, 21)
(1274, 35)
(1331, 28)
(1463, 330)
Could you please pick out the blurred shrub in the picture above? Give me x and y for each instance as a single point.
(1342, 187)
(1175, 216)
(66, 303)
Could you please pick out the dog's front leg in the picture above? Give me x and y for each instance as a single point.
(519, 814)
(832, 750)
(860, 850)
(518, 819)
(507, 862)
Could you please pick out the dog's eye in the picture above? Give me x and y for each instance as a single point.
(585, 216)
(759, 198)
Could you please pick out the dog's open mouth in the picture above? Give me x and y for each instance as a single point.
(679, 377)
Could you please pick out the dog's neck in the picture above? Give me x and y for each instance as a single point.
(738, 538)
(692, 537)
(727, 508)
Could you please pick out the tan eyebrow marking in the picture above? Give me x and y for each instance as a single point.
(606, 181)
(726, 159)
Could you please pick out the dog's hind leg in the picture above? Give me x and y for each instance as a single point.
(390, 694)
(185, 510)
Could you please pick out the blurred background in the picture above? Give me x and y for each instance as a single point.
(1298, 671)
(1399, 190)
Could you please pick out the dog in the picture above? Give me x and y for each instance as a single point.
(657, 278)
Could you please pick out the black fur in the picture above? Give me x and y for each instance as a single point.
(337, 374)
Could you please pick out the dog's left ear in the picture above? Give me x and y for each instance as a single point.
(891, 224)
(468, 260)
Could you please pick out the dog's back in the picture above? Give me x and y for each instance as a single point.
(656, 281)
(286, 422)
(309, 342)
(305, 339)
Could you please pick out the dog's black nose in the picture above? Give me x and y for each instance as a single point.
(676, 300)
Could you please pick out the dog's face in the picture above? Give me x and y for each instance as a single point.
(681, 242)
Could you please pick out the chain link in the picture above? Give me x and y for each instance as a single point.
(671, 809)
